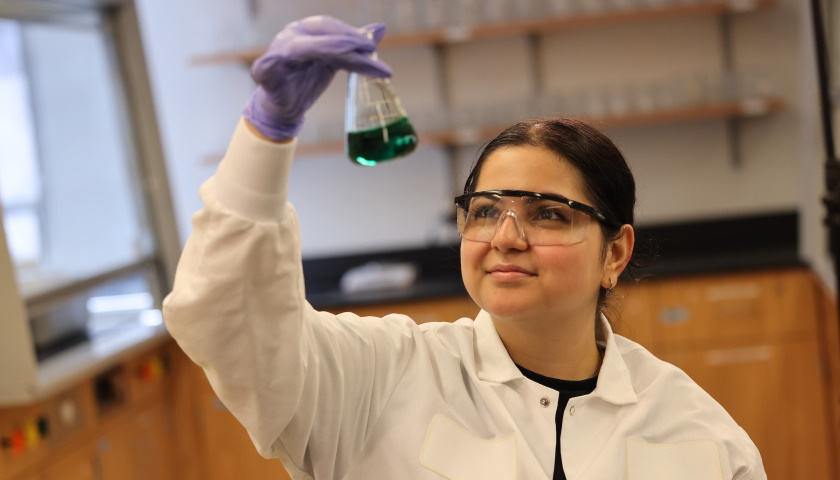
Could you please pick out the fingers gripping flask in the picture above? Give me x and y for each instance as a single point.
(376, 126)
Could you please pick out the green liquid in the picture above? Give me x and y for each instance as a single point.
(369, 147)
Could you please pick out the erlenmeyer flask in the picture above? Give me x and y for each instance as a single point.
(376, 125)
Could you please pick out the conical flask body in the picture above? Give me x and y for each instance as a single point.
(376, 124)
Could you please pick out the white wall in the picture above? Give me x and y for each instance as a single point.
(684, 171)
(197, 107)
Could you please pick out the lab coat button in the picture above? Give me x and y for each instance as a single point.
(572, 410)
(545, 402)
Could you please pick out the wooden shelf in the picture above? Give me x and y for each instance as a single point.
(533, 26)
(466, 136)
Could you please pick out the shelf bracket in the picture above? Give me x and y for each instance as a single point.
(535, 48)
(733, 124)
(442, 67)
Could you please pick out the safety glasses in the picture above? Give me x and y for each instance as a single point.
(539, 218)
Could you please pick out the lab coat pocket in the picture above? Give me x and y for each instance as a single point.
(697, 460)
(457, 454)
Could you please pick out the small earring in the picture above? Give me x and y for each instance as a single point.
(609, 290)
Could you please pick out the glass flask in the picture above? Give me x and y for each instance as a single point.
(376, 124)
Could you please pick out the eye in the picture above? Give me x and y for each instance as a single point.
(484, 211)
(554, 214)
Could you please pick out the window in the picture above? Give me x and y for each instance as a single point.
(20, 186)
(70, 193)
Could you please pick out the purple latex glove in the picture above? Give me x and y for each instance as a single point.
(299, 65)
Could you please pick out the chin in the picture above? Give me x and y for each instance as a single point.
(508, 309)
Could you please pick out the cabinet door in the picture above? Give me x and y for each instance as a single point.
(830, 340)
(136, 447)
(777, 394)
(230, 452)
(735, 308)
(210, 443)
(80, 465)
(182, 398)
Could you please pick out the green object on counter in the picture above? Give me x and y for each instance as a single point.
(369, 147)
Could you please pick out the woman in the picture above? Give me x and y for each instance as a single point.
(535, 387)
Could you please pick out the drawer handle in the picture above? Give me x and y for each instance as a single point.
(677, 315)
(716, 358)
(738, 291)
(737, 309)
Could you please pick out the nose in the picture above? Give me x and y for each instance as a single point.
(509, 234)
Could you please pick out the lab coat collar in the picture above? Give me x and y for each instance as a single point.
(614, 382)
(493, 363)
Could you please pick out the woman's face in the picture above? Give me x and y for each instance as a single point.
(515, 281)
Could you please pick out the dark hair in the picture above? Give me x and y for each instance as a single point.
(607, 179)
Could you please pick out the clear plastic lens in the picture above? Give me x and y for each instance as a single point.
(538, 221)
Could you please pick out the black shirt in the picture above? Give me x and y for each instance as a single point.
(567, 389)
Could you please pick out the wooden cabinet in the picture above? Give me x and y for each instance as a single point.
(212, 444)
(136, 447)
(764, 345)
(830, 343)
(776, 392)
(81, 465)
(231, 452)
(735, 309)
(114, 426)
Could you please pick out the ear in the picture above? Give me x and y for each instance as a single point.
(618, 256)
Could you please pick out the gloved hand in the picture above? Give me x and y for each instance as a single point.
(299, 65)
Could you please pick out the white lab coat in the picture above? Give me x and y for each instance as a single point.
(345, 397)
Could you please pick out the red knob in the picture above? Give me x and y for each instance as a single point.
(18, 442)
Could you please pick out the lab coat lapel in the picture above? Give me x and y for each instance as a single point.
(493, 363)
(614, 382)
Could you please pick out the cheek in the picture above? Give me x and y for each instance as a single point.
(571, 268)
(472, 254)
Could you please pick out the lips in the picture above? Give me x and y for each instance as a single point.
(509, 273)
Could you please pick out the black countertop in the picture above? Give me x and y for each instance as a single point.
(675, 249)
(721, 245)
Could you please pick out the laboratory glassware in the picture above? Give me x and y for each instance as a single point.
(376, 126)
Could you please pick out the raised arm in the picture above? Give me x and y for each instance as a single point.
(238, 309)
